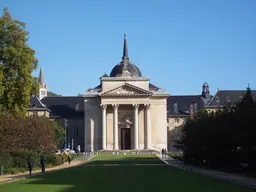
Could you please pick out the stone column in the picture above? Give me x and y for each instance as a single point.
(148, 130)
(115, 107)
(104, 126)
(136, 126)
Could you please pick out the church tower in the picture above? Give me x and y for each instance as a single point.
(42, 85)
(206, 91)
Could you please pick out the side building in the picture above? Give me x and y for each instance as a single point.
(182, 107)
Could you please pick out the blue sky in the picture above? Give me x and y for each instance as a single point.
(178, 44)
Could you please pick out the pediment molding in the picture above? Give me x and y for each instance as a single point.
(126, 90)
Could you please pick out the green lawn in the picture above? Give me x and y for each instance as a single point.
(123, 178)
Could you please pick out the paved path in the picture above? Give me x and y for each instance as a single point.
(230, 177)
(14, 177)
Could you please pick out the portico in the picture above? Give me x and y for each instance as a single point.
(119, 134)
(125, 111)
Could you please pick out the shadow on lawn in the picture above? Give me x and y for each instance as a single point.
(114, 179)
(126, 160)
(101, 178)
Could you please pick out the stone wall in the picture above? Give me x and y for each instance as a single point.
(175, 124)
(158, 124)
(92, 124)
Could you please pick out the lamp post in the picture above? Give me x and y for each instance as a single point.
(65, 126)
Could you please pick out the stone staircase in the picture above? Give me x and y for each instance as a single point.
(124, 152)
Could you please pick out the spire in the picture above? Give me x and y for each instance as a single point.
(125, 51)
(41, 77)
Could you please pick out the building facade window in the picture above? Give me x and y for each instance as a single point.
(77, 106)
(175, 108)
(195, 107)
(177, 120)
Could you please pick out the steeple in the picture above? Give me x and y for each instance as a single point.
(41, 77)
(125, 50)
(42, 85)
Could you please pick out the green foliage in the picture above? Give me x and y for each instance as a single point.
(52, 159)
(176, 155)
(59, 134)
(20, 133)
(52, 94)
(35, 86)
(58, 131)
(224, 138)
(15, 162)
(6, 160)
(17, 64)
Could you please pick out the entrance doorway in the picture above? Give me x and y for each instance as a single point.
(125, 138)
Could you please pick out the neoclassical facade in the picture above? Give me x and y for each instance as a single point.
(125, 111)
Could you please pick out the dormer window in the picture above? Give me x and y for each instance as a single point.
(77, 106)
(228, 101)
(175, 108)
(195, 107)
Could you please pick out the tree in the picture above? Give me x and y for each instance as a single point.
(1, 86)
(35, 86)
(52, 94)
(222, 139)
(20, 133)
(17, 61)
(58, 131)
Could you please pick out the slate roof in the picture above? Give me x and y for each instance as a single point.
(64, 106)
(36, 104)
(222, 97)
(183, 104)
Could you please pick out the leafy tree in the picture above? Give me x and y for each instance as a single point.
(1, 86)
(59, 134)
(224, 138)
(20, 133)
(35, 86)
(17, 61)
(52, 94)
(58, 131)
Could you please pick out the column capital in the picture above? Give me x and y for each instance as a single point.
(147, 106)
(103, 106)
(115, 106)
(135, 106)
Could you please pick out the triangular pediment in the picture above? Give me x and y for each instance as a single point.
(126, 89)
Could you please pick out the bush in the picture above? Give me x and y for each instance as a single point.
(6, 160)
(176, 155)
(52, 159)
(15, 162)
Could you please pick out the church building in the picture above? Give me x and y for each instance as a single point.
(125, 111)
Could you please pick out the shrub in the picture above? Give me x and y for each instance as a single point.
(52, 159)
(6, 160)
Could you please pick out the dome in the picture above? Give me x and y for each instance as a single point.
(120, 68)
(125, 68)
